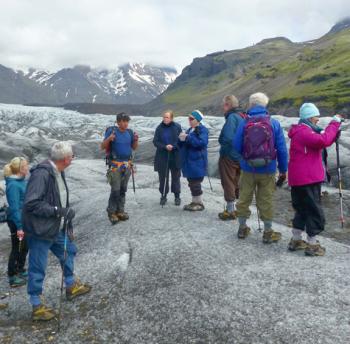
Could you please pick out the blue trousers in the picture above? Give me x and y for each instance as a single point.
(38, 256)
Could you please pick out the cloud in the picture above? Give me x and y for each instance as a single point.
(52, 35)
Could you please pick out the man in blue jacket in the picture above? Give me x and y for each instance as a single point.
(255, 179)
(46, 210)
(229, 158)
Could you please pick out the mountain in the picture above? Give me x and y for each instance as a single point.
(132, 83)
(288, 72)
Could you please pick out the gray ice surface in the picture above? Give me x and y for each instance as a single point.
(190, 280)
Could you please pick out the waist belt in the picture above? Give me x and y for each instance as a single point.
(120, 165)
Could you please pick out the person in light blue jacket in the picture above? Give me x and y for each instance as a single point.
(15, 173)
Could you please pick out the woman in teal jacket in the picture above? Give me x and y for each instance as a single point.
(15, 173)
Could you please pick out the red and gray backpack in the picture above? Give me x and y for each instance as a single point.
(259, 141)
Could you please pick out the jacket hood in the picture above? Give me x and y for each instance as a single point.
(231, 112)
(46, 165)
(258, 111)
(14, 179)
(295, 129)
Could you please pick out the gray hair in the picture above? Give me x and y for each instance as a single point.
(232, 100)
(258, 99)
(61, 150)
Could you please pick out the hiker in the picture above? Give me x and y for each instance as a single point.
(261, 142)
(229, 168)
(46, 211)
(306, 175)
(194, 157)
(119, 143)
(15, 173)
(168, 157)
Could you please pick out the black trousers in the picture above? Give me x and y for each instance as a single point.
(18, 254)
(195, 185)
(175, 181)
(309, 215)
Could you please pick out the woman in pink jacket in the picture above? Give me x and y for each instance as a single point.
(306, 173)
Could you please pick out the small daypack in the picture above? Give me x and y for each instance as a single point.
(259, 142)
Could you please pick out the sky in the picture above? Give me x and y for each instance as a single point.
(106, 33)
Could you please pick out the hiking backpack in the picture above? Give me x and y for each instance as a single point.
(259, 142)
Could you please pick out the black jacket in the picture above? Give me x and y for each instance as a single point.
(39, 216)
(161, 157)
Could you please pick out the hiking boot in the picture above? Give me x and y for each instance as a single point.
(43, 313)
(243, 232)
(3, 306)
(226, 216)
(177, 201)
(297, 245)
(77, 289)
(23, 274)
(163, 201)
(194, 207)
(271, 236)
(113, 218)
(315, 250)
(16, 282)
(122, 216)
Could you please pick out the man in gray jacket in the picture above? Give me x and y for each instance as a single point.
(46, 210)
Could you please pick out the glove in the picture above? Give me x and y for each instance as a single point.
(338, 118)
(281, 179)
(67, 213)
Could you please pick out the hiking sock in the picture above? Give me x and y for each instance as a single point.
(230, 207)
(267, 225)
(311, 240)
(242, 222)
(35, 300)
(197, 199)
(297, 234)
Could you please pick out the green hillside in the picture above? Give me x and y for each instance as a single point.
(288, 72)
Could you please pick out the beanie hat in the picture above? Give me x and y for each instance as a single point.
(309, 110)
(196, 114)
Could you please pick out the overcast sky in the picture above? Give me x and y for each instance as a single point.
(106, 33)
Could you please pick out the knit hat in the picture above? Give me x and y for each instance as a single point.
(309, 110)
(196, 114)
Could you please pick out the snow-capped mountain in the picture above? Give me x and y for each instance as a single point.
(132, 83)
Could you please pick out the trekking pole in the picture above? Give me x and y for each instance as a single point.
(207, 169)
(166, 179)
(62, 278)
(342, 221)
(133, 177)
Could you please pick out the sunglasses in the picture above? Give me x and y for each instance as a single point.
(191, 119)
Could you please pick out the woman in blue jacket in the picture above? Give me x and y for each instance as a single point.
(15, 173)
(194, 157)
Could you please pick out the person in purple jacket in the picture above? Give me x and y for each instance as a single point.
(305, 176)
